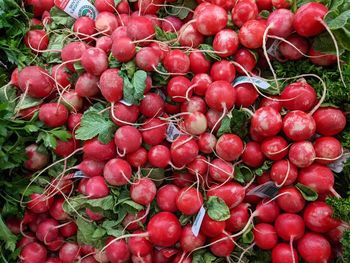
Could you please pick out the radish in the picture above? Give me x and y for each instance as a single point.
(189, 201)
(139, 246)
(64, 149)
(211, 227)
(33, 252)
(69, 252)
(94, 60)
(189, 241)
(127, 139)
(25, 240)
(308, 19)
(35, 160)
(190, 37)
(265, 236)
(220, 96)
(318, 217)
(37, 40)
(176, 61)
(281, 3)
(272, 101)
(195, 123)
(117, 172)
(47, 230)
(194, 104)
(111, 85)
(152, 105)
(302, 154)
(94, 216)
(166, 197)
(229, 147)
(289, 227)
(147, 59)
(298, 125)
(39, 203)
(35, 81)
(87, 85)
(314, 248)
(91, 168)
(223, 70)
(104, 6)
(140, 28)
(183, 150)
(104, 43)
(57, 260)
(275, 148)
(294, 47)
(205, 17)
(138, 158)
(222, 248)
(71, 53)
(117, 251)
(283, 173)
(198, 166)
(95, 150)
(232, 193)
(246, 59)
(148, 6)
(159, 156)
(178, 88)
(267, 212)
(28, 113)
(284, 253)
(143, 191)
(153, 131)
(321, 58)
(171, 24)
(243, 11)
(226, 42)
(206, 142)
(118, 33)
(123, 49)
(123, 115)
(213, 119)
(182, 179)
(290, 199)
(201, 83)
(327, 149)
(246, 95)
(280, 22)
(266, 122)
(198, 63)
(96, 187)
(106, 22)
(85, 27)
(239, 216)
(251, 33)
(134, 221)
(329, 121)
(221, 171)
(298, 96)
(69, 230)
(72, 101)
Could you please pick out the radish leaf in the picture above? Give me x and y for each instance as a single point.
(217, 209)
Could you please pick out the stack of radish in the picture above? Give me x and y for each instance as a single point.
(290, 130)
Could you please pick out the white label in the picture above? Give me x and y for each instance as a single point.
(266, 190)
(172, 132)
(198, 221)
(125, 103)
(79, 174)
(260, 83)
(273, 49)
(78, 8)
(339, 164)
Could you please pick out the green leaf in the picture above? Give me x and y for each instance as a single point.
(85, 233)
(164, 36)
(243, 174)
(237, 123)
(129, 68)
(139, 84)
(132, 204)
(225, 126)
(345, 241)
(209, 52)
(112, 62)
(78, 202)
(340, 21)
(48, 139)
(217, 209)
(306, 192)
(6, 236)
(341, 207)
(60, 18)
(61, 134)
(184, 219)
(248, 236)
(27, 102)
(113, 228)
(78, 67)
(181, 8)
(156, 174)
(94, 124)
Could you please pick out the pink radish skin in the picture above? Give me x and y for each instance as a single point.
(198, 63)
(147, 59)
(280, 22)
(302, 154)
(69, 252)
(281, 4)
(139, 246)
(201, 83)
(123, 49)
(124, 114)
(283, 172)
(318, 177)
(189, 201)
(194, 104)
(56, 210)
(128, 221)
(143, 191)
(289, 226)
(266, 122)
(94, 61)
(189, 241)
(246, 95)
(223, 248)
(265, 236)
(243, 11)
(289, 52)
(239, 216)
(36, 160)
(117, 172)
(223, 70)
(152, 105)
(39, 203)
(246, 59)
(206, 142)
(182, 179)
(117, 251)
(72, 51)
(111, 85)
(290, 199)
(104, 6)
(177, 88)
(298, 125)
(87, 85)
(251, 33)
(232, 193)
(72, 101)
(176, 61)
(171, 24)
(226, 42)
(267, 212)
(104, 43)
(252, 155)
(321, 58)
(153, 131)
(166, 197)
(138, 158)
(327, 148)
(220, 96)
(329, 121)
(206, 15)
(96, 187)
(314, 248)
(212, 228)
(139, 28)
(91, 168)
(36, 40)
(221, 171)
(282, 253)
(299, 96)
(275, 148)
(198, 166)
(33, 252)
(69, 230)
(94, 216)
(213, 119)
(229, 147)
(307, 19)
(273, 102)
(47, 230)
(85, 26)
(106, 22)
(35, 81)
(190, 37)
(73, 121)
(183, 150)
(195, 123)
(264, 4)
(127, 139)
(95, 150)
(318, 217)
(63, 149)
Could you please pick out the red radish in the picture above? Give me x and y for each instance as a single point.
(213, 119)
(33, 252)
(280, 22)
(206, 16)
(183, 150)
(94, 60)
(329, 121)
(176, 61)
(318, 217)
(290, 52)
(246, 94)
(137, 158)
(206, 142)
(69, 252)
(198, 63)
(95, 150)
(212, 228)
(265, 236)
(127, 139)
(272, 101)
(159, 156)
(85, 27)
(139, 246)
(229, 147)
(104, 6)
(220, 95)
(166, 197)
(183, 179)
(302, 154)
(123, 49)
(282, 253)
(178, 88)
(65, 148)
(275, 148)
(221, 171)
(152, 105)
(281, 3)
(289, 226)
(123, 114)
(96, 187)
(298, 96)
(36, 160)
(56, 210)
(72, 51)
(232, 193)
(56, 244)
(117, 251)
(104, 43)
(91, 168)
(117, 172)
(39, 203)
(47, 230)
(266, 121)
(143, 191)
(94, 216)
(35, 81)
(119, 33)
(267, 212)
(194, 104)
(171, 24)
(251, 33)
(106, 22)
(198, 166)
(36, 39)
(290, 200)
(298, 125)
(69, 229)
(111, 85)
(140, 28)
(153, 131)
(57, 260)
(148, 6)
(314, 248)
(246, 59)
(14, 224)
(222, 248)
(238, 218)
(321, 58)
(189, 241)
(243, 11)
(283, 172)
(147, 59)
(265, 177)
(195, 123)
(189, 201)
(226, 42)
(28, 113)
(72, 101)
(73, 121)
(190, 37)
(134, 221)
(252, 155)
(307, 19)
(87, 85)
(327, 149)
(223, 70)
(201, 83)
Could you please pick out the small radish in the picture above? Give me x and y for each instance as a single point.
(206, 142)
(111, 85)
(95, 150)
(69, 252)
(211, 227)
(47, 230)
(290, 199)
(226, 42)
(290, 52)
(139, 246)
(69, 229)
(281, 3)
(153, 131)
(65, 148)
(72, 101)
(194, 104)
(239, 216)
(283, 172)
(183, 179)
(198, 166)
(220, 170)
(302, 154)
(183, 150)
(176, 61)
(94, 216)
(123, 115)
(267, 212)
(166, 197)
(35, 81)
(140, 28)
(36, 39)
(232, 193)
(39, 203)
(205, 17)
(91, 168)
(272, 101)
(298, 125)
(56, 210)
(72, 51)
(104, 43)
(329, 121)
(143, 191)
(327, 149)
(322, 58)
(195, 123)
(94, 61)
(189, 201)
(127, 139)
(96, 187)
(283, 253)
(87, 85)
(117, 251)
(213, 119)
(189, 241)
(159, 156)
(198, 63)
(280, 22)
(190, 37)
(220, 95)
(251, 33)
(229, 147)
(223, 70)
(147, 59)
(265, 236)
(275, 148)
(106, 22)
(117, 172)
(35, 160)
(266, 122)
(289, 227)
(123, 49)
(85, 27)
(152, 105)
(222, 248)
(298, 96)
(243, 11)
(133, 221)
(178, 88)
(138, 158)
(104, 6)
(33, 252)
(246, 95)
(314, 248)
(171, 24)
(246, 58)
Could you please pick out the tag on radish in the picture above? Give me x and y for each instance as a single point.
(125, 103)
(77, 8)
(339, 164)
(198, 221)
(273, 49)
(172, 132)
(260, 83)
(266, 190)
(79, 174)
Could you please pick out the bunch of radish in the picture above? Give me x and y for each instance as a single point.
(292, 131)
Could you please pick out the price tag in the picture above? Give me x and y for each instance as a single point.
(339, 164)
(273, 49)
(79, 174)
(266, 190)
(260, 83)
(198, 221)
(77, 8)
(172, 132)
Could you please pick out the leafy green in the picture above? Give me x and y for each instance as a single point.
(133, 89)
(182, 8)
(60, 19)
(236, 122)
(49, 138)
(345, 241)
(89, 233)
(307, 192)
(217, 209)
(164, 36)
(341, 207)
(243, 174)
(6, 236)
(209, 52)
(203, 256)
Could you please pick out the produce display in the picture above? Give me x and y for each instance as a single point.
(162, 131)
